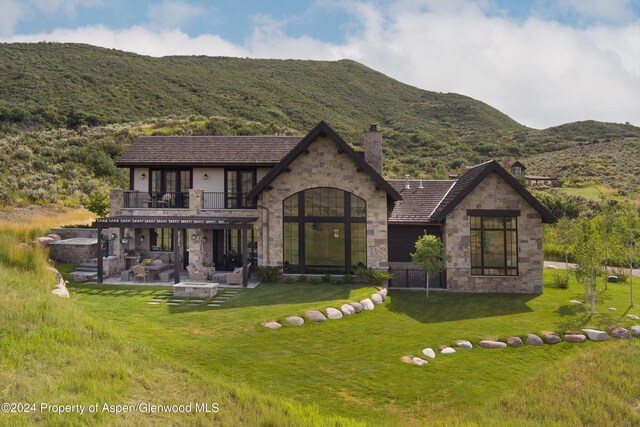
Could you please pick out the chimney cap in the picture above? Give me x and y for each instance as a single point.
(373, 127)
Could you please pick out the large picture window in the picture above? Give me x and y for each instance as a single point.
(494, 246)
(324, 232)
(161, 240)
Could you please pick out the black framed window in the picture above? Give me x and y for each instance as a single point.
(324, 231)
(494, 245)
(238, 183)
(160, 240)
(170, 187)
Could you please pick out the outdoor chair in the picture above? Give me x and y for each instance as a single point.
(196, 275)
(139, 273)
(235, 278)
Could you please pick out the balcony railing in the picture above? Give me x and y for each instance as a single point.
(156, 200)
(222, 200)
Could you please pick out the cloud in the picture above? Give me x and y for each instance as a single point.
(538, 71)
(172, 14)
(605, 10)
(67, 6)
(11, 14)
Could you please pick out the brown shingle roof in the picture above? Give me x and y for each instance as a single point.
(417, 204)
(208, 150)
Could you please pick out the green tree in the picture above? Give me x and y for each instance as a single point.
(589, 256)
(97, 202)
(628, 233)
(429, 255)
(566, 236)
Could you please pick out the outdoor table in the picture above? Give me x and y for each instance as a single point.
(154, 270)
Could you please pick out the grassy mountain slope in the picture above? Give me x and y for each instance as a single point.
(51, 92)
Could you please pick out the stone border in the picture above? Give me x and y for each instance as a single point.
(346, 309)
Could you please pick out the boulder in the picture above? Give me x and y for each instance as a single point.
(465, 344)
(633, 317)
(418, 361)
(357, 307)
(447, 350)
(492, 344)
(636, 331)
(44, 241)
(575, 301)
(621, 333)
(429, 353)
(315, 316)
(383, 292)
(612, 309)
(367, 304)
(596, 335)
(272, 325)
(55, 237)
(407, 359)
(334, 313)
(515, 341)
(533, 339)
(347, 309)
(384, 297)
(295, 320)
(376, 298)
(574, 338)
(61, 292)
(551, 338)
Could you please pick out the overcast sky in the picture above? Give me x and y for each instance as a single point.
(542, 62)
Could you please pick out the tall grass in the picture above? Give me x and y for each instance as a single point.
(37, 226)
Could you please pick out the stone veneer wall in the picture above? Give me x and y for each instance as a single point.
(494, 193)
(324, 167)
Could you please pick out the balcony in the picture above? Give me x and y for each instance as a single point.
(155, 200)
(222, 200)
(180, 200)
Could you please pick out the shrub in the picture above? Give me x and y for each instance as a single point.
(268, 274)
(302, 278)
(373, 277)
(326, 278)
(349, 278)
(336, 281)
(289, 280)
(560, 280)
(316, 281)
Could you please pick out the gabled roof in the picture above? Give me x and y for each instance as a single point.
(467, 182)
(517, 163)
(417, 203)
(323, 129)
(207, 150)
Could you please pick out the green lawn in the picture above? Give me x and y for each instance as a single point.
(348, 371)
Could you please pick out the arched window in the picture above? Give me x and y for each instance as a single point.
(325, 231)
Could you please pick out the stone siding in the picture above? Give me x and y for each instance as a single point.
(494, 193)
(72, 233)
(324, 167)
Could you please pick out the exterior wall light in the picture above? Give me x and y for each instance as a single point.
(205, 176)
(143, 176)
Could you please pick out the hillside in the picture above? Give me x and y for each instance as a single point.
(66, 110)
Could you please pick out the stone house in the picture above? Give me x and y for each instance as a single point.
(314, 205)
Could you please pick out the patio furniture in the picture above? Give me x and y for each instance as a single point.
(154, 270)
(139, 272)
(196, 275)
(235, 277)
(166, 275)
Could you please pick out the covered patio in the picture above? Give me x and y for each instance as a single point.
(176, 224)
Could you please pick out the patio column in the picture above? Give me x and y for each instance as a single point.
(245, 258)
(176, 254)
(99, 259)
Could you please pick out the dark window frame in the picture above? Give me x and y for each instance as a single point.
(239, 201)
(506, 230)
(301, 219)
(154, 233)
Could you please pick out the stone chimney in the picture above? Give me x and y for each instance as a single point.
(372, 141)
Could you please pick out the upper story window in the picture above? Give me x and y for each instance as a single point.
(238, 183)
(170, 187)
(517, 171)
(494, 246)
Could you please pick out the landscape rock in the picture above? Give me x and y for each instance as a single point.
(636, 331)
(61, 287)
(492, 344)
(633, 317)
(596, 335)
(44, 241)
(407, 359)
(574, 338)
(315, 316)
(384, 297)
(347, 309)
(272, 325)
(376, 298)
(465, 344)
(515, 341)
(295, 320)
(334, 313)
(612, 309)
(383, 292)
(61, 292)
(357, 307)
(621, 333)
(575, 301)
(55, 237)
(429, 353)
(367, 304)
(551, 338)
(533, 339)
(418, 361)
(447, 350)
